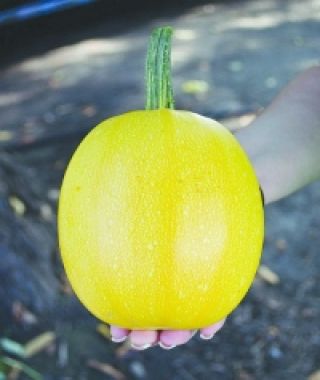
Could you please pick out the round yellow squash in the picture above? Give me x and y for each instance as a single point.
(160, 221)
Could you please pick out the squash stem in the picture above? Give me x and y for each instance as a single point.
(158, 70)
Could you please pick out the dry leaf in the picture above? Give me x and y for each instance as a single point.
(235, 123)
(123, 349)
(273, 331)
(17, 205)
(22, 314)
(195, 87)
(243, 375)
(106, 369)
(268, 275)
(315, 375)
(46, 212)
(39, 343)
(53, 194)
(235, 66)
(104, 330)
(246, 119)
(281, 244)
(5, 136)
(89, 110)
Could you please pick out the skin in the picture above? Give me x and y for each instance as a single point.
(283, 146)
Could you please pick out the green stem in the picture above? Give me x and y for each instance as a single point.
(21, 366)
(158, 70)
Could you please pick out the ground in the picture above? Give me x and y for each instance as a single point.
(240, 55)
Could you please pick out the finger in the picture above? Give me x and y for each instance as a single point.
(209, 332)
(143, 339)
(118, 334)
(171, 338)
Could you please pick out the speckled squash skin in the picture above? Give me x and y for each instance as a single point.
(160, 221)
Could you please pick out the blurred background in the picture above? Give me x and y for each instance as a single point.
(65, 66)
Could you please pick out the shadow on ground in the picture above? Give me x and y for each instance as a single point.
(242, 53)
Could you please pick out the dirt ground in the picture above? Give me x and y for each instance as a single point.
(240, 54)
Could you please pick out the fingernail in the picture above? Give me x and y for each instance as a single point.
(142, 347)
(206, 337)
(166, 347)
(118, 340)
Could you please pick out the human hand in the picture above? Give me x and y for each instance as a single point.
(167, 339)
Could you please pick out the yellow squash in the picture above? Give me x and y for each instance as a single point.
(160, 214)
(160, 221)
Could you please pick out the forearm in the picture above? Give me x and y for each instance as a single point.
(283, 143)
